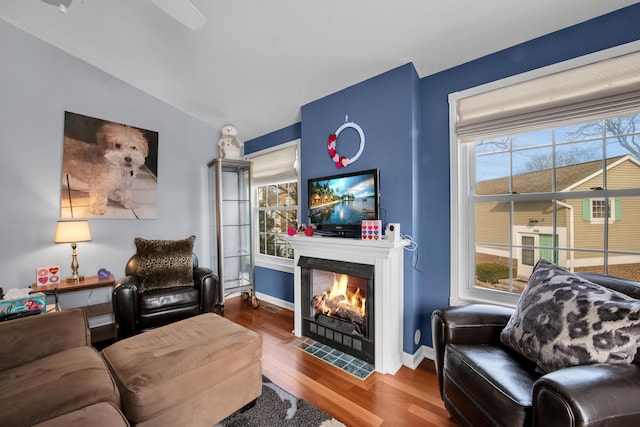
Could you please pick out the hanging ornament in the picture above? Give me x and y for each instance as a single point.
(342, 161)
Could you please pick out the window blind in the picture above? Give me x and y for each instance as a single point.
(276, 165)
(603, 89)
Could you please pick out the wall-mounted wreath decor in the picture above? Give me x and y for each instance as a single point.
(342, 161)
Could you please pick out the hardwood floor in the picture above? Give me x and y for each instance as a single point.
(408, 398)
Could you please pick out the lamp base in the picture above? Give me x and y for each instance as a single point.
(76, 279)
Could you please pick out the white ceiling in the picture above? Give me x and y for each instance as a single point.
(255, 62)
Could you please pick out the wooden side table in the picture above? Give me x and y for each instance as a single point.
(98, 333)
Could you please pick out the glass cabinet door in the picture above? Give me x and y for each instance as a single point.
(232, 246)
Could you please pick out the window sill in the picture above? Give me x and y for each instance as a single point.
(275, 263)
(481, 296)
(600, 221)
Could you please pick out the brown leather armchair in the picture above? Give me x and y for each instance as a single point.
(137, 311)
(483, 383)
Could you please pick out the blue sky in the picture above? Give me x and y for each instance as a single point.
(360, 186)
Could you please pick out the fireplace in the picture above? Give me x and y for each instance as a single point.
(337, 305)
(384, 321)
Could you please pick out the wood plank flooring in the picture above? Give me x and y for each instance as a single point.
(408, 398)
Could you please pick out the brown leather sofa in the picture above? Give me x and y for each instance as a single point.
(137, 311)
(51, 376)
(484, 383)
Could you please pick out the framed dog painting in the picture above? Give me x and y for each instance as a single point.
(109, 170)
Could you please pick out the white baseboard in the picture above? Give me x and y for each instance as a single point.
(275, 301)
(429, 353)
(413, 360)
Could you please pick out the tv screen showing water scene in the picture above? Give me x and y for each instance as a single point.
(340, 203)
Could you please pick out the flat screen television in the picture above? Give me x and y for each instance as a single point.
(339, 203)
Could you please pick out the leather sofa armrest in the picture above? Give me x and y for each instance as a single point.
(209, 286)
(125, 305)
(468, 324)
(34, 337)
(589, 395)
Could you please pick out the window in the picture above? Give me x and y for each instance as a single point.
(277, 209)
(528, 252)
(597, 209)
(275, 186)
(539, 182)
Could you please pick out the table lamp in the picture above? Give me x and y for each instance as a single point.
(73, 232)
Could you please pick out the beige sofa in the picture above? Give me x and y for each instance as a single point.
(194, 372)
(51, 376)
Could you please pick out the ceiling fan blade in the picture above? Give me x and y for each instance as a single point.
(182, 11)
(62, 4)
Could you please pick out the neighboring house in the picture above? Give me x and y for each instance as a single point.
(579, 230)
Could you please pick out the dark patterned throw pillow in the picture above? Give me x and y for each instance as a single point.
(563, 320)
(164, 263)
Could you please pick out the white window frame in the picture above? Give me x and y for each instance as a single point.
(462, 213)
(262, 260)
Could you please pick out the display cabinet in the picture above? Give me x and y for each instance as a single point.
(232, 236)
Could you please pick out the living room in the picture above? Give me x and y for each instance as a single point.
(405, 118)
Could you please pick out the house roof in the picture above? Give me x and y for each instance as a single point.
(255, 62)
(540, 181)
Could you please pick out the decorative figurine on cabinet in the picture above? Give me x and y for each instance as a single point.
(230, 146)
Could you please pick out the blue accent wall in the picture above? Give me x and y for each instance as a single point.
(382, 106)
(289, 133)
(607, 31)
(277, 284)
(406, 123)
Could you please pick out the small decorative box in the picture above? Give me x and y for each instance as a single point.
(371, 229)
(35, 301)
(47, 275)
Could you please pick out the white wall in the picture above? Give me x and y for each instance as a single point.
(38, 83)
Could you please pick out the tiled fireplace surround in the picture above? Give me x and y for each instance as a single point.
(387, 259)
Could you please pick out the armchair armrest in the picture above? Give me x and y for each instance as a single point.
(589, 395)
(471, 324)
(209, 285)
(468, 324)
(125, 305)
(34, 337)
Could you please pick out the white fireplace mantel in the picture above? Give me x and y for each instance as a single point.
(388, 261)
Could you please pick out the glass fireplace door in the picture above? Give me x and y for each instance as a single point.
(337, 305)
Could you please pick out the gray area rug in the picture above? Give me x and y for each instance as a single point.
(276, 407)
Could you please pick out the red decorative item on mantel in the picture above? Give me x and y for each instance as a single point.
(308, 231)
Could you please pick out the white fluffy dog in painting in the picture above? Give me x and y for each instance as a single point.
(109, 167)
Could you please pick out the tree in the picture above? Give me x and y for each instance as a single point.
(491, 145)
(621, 129)
(620, 133)
(577, 154)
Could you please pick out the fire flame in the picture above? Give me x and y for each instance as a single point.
(341, 295)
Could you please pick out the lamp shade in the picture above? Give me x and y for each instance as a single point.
(72, 232)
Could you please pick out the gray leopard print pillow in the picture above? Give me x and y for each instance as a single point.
(563, 320)
(164, 263)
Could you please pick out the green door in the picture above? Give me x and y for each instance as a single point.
(546, 241)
